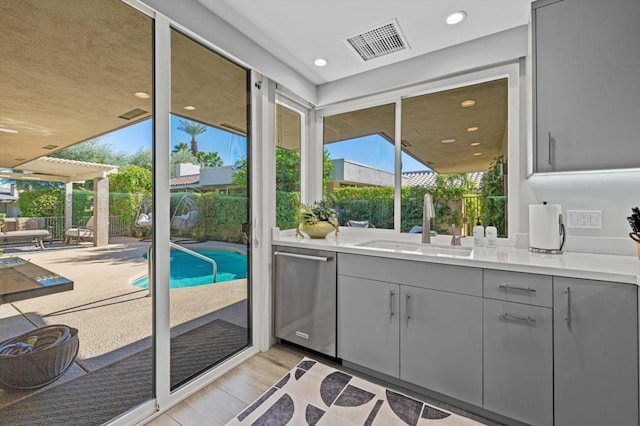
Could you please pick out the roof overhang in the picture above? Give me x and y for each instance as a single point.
(60, 170)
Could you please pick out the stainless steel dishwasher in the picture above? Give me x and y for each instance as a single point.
(305, 298)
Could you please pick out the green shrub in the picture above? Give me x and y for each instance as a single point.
(41, 203)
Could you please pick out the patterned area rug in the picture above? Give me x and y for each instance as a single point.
(316, 394)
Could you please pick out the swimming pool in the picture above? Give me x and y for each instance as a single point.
(189, 271)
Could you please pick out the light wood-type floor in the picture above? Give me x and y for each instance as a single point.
(225, 398)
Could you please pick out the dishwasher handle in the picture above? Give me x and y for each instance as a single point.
(303, 256)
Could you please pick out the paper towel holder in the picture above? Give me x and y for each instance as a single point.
(563, 233)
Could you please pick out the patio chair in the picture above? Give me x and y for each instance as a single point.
(360, 224)
(79, 233)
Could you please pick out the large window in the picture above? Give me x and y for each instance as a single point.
(453, 146)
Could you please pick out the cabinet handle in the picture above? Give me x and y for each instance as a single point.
(408, 306)
(506, 287)
(567, 317)
(303, 256)
(549, 141)
(513, 317)
(391, 294)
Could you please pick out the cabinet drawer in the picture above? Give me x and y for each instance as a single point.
(532, 289)
(518, 360)
(455, 279)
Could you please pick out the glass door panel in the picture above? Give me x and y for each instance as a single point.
(209, 267)
(77, 92)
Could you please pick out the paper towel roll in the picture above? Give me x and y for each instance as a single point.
(545, 226)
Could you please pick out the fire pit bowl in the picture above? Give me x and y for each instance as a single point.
(38, 357)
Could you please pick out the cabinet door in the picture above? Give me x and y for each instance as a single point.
(518, 361)
(595, 352)
(587, 58)
(441, 342)
(368, 324)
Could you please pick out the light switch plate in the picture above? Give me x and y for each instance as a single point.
(584, 219)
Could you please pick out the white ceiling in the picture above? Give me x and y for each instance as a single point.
(299, 31)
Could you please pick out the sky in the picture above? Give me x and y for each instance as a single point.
(371, 150)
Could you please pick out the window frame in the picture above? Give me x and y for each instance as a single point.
(510, 71)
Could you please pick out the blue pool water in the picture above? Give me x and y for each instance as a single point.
(189, 271)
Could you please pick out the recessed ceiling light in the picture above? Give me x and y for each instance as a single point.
(142, 95)
(456, 17)
(472, 129)
(476, 154)
(50, 146)
(447, 141)
(475, 143)
(19, 159)
(468, 103)
(190, 108)
(320, 62)
(5, 130)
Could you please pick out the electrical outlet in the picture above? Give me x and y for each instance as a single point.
(584, 219)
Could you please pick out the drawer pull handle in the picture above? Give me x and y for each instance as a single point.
(408, 306)
(513, 317)
(567, 317)
(507, 287)
(391, 294)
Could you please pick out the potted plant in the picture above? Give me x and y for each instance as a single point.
(317, 220)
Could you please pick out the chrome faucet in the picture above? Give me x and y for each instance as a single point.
(427, 213)
(455, 241)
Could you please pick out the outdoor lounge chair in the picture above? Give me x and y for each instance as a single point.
(360, 224)
(79, 233)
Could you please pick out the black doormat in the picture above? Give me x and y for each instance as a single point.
(101, 395)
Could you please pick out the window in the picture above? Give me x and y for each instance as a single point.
(288, 143)
(459, 136)
(453, 145)
(359, 165)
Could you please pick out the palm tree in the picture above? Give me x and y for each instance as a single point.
(180, 147)
(192, 129)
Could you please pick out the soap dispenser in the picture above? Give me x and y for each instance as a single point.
(492, 236)
(478, 234)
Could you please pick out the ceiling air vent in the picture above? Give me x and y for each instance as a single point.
(378, 41)
(136, 112)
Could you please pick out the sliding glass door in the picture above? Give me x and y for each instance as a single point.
(209, 209)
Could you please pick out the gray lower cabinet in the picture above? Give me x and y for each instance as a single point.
(368, 324)
(595, 353)
(441, 342)
(518, 361)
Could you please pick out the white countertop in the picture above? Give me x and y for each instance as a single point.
(624, 269)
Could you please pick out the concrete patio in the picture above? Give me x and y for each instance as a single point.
(114, 318)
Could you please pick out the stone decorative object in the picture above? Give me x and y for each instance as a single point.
(317, 220)
(318, 230)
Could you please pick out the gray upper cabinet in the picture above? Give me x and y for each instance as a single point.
(586, 84)
(441, 342)
(368, 324)
(595, 343)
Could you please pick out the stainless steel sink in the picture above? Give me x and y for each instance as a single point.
(426, 249)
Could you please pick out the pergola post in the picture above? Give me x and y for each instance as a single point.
(68, 205)
(100, 212)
